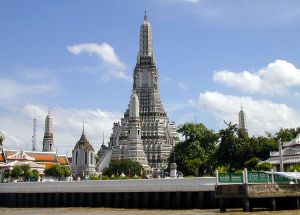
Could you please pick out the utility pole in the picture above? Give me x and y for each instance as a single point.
(34, 134)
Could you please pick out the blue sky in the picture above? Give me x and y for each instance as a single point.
(77, 57)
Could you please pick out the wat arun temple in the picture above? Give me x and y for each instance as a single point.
(145, 133)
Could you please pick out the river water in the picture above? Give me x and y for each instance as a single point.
(112, 211)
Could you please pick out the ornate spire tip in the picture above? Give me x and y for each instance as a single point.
(145, 16)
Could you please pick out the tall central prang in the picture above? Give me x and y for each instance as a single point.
(148, 136)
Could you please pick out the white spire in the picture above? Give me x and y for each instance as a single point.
(242, 121)
(48, 135)
(146, 38)
(134, 106)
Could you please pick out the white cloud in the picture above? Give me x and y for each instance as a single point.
(67, 126)
(183, 85)
(262, 115)
(276, 78)
(114, 66)
(11, 89)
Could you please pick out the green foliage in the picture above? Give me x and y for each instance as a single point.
(295, 167)
(222, 169)
(231, 148)
(94, 177)
(58, 171)
(16, 172)
(252, 164)
(194, 156)
(23, 172)
(265, 166)
(287, 134)
(105, 177)
(234, 151)
(127, 166)
(6, 174)
(34, 175)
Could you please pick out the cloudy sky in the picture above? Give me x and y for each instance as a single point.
(77, 58)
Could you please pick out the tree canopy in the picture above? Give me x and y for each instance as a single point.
(129, 167)
(24, 173)
(60, 172)
(204, 150)
(194, 155)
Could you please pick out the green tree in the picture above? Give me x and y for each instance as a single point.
(261, 146)
(26, 172)
(34, 175)
(16, 172)
(252, 164)
(126, 166)
(287, 134)
(194, 155)
(22, 172)
(265, 166)
(60, 172)
(231, 150)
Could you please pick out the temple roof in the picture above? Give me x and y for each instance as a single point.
(286, 160)
(293, 142)
(84, 144)
(63, 160)
(43, 158)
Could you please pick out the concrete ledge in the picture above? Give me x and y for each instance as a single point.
(113, 186)
(257, 191)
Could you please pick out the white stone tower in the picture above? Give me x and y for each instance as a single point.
(135, 150)
(48, 135)
(242, 122)
(157, 134)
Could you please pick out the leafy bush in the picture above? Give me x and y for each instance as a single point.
(94, 177)
(128, 167)
(252, 164)
(266, 166)
(58, 171)
(295, 167)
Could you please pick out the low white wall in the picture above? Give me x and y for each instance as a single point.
(132, 185)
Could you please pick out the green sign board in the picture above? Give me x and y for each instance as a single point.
(259, 177)
(230, 178)
(253, 177)
(279, 179)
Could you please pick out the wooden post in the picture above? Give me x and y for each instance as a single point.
(136, 200)
(145, 199)
(222, 205)
(167, 200)
(297, 203)
(188, 200)
(246, 205)
(273, 204)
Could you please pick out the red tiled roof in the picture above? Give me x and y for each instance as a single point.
(43, 156)
(48, 164)
(63, 160)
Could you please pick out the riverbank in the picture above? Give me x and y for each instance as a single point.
(112, 211)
